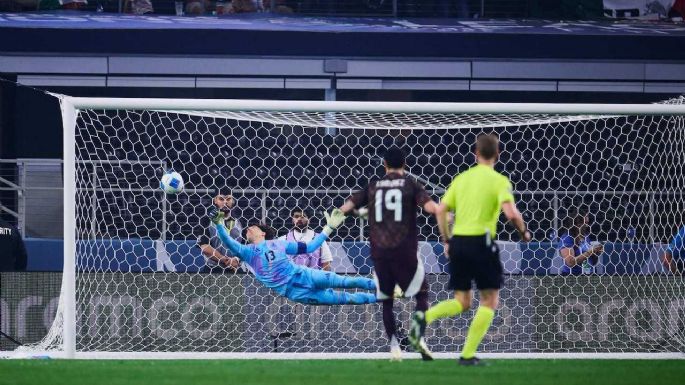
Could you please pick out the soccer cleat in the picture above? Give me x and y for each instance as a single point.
(418, 327)
(426, 354)
(395, 353)
(473, 361)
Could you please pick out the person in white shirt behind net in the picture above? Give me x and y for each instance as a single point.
(300, 232)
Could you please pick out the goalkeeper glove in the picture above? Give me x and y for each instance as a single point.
(216, 215)
(333, 220)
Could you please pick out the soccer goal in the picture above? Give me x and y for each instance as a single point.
(132, 283)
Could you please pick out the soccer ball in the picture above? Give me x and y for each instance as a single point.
(172, 182)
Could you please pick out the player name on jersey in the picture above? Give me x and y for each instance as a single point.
(390, 183)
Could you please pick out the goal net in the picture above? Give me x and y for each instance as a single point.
(133, 279)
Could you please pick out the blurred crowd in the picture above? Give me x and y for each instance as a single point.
(140, 7)
(536, 9)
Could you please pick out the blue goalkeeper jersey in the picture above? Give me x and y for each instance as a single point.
(269, 260)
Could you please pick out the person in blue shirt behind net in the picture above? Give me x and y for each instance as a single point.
(579, 254)
(674, 256)
(271, 265)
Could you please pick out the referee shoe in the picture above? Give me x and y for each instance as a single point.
(473, 361)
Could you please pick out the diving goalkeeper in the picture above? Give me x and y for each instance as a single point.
(272, 267)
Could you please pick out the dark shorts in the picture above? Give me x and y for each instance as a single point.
(398, 267)
(473, 259)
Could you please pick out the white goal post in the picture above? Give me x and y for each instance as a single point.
(623, 164)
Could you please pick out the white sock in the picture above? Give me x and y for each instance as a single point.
(394, 343)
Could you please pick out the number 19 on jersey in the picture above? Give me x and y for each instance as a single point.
(390, 200)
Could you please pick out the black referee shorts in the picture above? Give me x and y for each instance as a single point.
(474, 258)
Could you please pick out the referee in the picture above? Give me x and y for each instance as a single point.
(475, 197)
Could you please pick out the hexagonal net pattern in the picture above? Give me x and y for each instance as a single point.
(139, 280)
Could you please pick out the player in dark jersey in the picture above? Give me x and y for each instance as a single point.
(392, 202)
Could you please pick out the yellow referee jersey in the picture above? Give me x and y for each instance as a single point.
(476, 196)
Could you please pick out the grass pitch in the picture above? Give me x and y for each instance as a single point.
(338, 372)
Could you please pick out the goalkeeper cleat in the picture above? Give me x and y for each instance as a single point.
(215, 215)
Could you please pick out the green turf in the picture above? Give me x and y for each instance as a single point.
(334, 372)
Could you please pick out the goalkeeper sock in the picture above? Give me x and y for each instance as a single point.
(479, 326)
(446, 308)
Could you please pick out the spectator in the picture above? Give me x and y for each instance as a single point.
(678, 9)
(25, 5)
(197, 7)
(579, 255)
(13, 251)
(73, 4)
(319, 259)
(280, 6)
(138, 7)
(218, 259)
(674, 256)
(242, 6)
